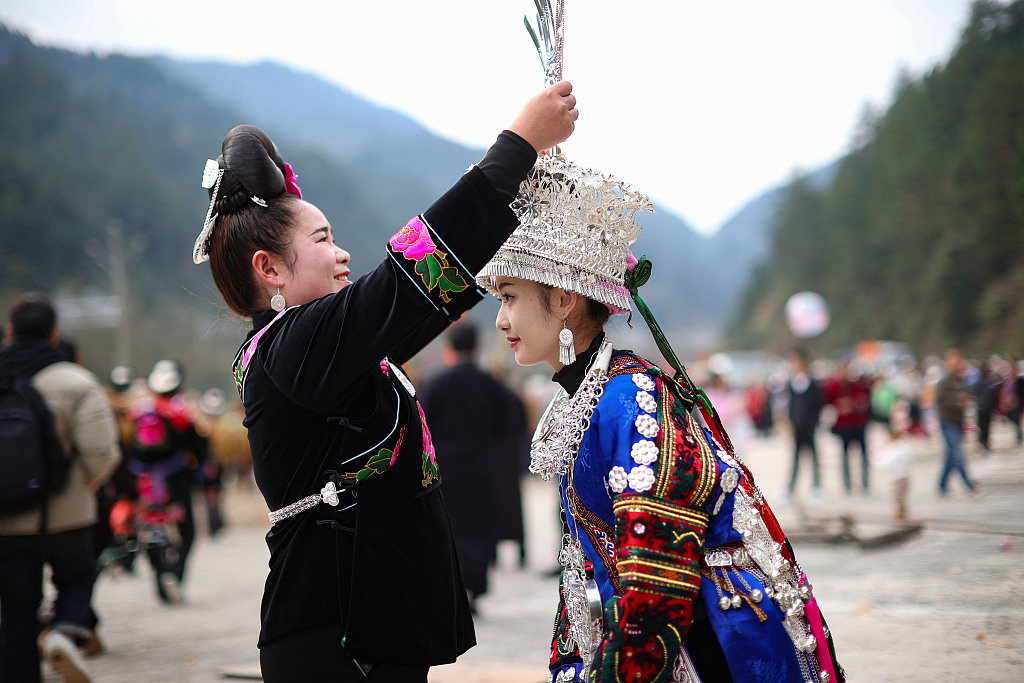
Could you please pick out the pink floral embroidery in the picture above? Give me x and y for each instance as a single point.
(413, 241)
(428, 441)
(430, 470)
(291, 183)
(398, 447)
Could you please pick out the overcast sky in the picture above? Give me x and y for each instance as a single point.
(702, 105)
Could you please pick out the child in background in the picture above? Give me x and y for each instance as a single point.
(896, 458)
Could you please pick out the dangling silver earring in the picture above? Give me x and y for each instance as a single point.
(566, 350)
(277, 301)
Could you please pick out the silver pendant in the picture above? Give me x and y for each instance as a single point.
(583, 604)
(583, 607)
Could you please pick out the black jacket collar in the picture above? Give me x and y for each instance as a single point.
(26, 358)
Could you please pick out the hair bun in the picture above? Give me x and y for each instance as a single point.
(252, 167)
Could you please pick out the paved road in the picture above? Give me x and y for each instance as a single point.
(946, 605)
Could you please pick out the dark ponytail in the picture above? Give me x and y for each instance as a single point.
(253, 167)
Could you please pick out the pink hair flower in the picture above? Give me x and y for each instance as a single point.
(291, 181)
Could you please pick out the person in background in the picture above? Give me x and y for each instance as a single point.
(951, 401)
(884, 395)
(210, 472)
(986, 400)
(110, 547)
(1013, 411)
(469, 435)
(62, 533)
(166, 451)
(896, 458)
(909, 384)
(849, 393)
(805, 404)
(758, 404)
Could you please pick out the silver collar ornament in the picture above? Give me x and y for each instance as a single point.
(556, 441)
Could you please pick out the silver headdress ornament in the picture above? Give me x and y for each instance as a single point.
(212, 175)
(575, 224)
(551, 27)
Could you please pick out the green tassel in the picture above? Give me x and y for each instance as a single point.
(635, 279)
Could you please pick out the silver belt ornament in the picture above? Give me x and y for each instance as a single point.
(328, 495)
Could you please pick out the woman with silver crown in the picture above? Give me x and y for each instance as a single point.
(364, 580)
(675, 568)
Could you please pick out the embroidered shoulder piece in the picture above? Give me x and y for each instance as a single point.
(671, 457)
(437, 274)
(244, 356)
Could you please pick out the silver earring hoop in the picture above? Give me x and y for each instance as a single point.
(277, 301)
(566, 348)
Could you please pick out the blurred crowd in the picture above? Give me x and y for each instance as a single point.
(947, 401)
(858, 392)
(134, 451)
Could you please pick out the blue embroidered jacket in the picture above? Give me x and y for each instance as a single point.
(653, 497)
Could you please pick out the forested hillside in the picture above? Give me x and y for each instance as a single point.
(86, 140)
(920, 238)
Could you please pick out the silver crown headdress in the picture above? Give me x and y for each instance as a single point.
(575, 224)
(575, 229)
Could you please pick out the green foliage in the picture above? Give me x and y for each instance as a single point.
(919, 238)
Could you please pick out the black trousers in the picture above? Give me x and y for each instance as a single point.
(316, 655)
(71, 556)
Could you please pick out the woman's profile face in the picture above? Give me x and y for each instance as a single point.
(530, 327)
(320, 267)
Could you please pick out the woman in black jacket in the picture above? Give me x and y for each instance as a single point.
(364, 579)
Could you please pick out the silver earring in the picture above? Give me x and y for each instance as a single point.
(566, 350)
(277, 301)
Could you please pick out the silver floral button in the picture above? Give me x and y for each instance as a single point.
(646, 402)
(644, 452)
(617, 479)
(643, 381)
(641, 478)
(647, 425)
(730, 478)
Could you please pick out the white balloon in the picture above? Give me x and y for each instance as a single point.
(807, 314)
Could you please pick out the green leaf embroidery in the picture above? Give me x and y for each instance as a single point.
(422, 269)
(435, 269)
(376, 464)
(430, 470)
(451, 281)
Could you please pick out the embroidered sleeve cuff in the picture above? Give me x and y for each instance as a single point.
(431, 267)
(644, 638)
(658, 546)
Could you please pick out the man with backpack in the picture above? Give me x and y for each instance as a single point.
(46, 400)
